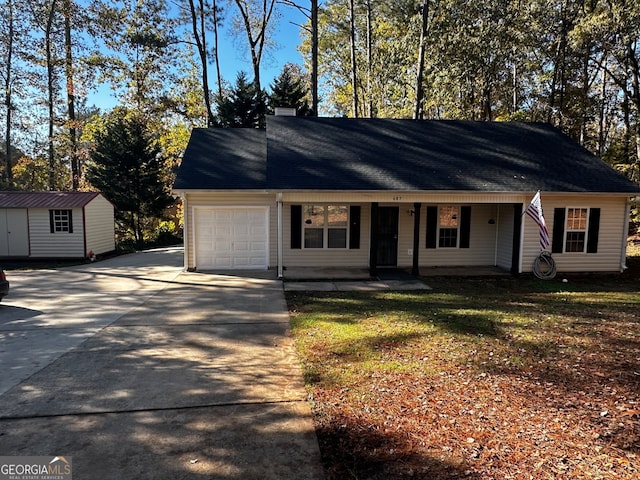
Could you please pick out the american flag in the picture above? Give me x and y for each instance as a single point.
(534, 210)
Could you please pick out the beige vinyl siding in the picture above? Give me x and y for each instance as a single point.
(55, 245)
(232, 199)
(504, 236)
(491, 243)
(481, 251)
(324, 257)
(99, 225)
(610, 239)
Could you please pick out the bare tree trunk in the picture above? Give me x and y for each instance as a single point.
(584, 118)
(71, 100)
(635, 97)
(51, 94)
(418, 111)
(8, 100)
(314, 57)
(602, 113)
(354, 66)
(215, 46)
(256, 38)
(370, 112)
(559, 70)
(200, 35)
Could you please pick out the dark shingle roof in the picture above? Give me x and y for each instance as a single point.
(46, 199)
(224, 158)
(383, 154)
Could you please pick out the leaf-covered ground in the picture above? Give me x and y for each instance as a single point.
(480, 378)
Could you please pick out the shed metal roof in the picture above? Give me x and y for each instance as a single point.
(46, 199)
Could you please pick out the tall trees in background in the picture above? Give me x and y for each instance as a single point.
(573, 63)
(289, 89)
(254, 17)
(127, 148)
(9, 38)
(569, 62)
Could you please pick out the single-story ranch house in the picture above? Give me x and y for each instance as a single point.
(55, 225)
(371, 193)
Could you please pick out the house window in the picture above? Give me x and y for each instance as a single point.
(60, 221)
(448, 222)
(576, 229)
(325, 225)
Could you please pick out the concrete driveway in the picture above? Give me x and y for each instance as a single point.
(137, 370)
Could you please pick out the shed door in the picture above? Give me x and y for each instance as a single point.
(14, 233)
(231, 238)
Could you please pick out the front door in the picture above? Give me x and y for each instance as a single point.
(387, 236)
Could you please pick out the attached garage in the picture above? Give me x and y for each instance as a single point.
(231, 238)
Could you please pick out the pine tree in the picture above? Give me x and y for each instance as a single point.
(128, 168)
(242, 106)
(289, 90)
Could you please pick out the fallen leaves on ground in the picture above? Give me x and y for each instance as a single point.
(555, 396)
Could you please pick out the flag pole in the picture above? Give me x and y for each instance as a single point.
(525, 210)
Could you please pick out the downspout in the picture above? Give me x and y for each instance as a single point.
(625, 234)
(280, 233)
(185, 230)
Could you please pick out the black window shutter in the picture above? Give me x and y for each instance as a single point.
(52, 226)
(432, 227)
(354, 230)
(296, 226)
(465, 226)
(70, 221)
(558, 230)
(594, 230)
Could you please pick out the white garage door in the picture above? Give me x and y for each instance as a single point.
(231, 238)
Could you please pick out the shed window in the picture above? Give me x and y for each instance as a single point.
(325, 225)
(60, 221)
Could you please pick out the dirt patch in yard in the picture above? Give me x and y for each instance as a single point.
(481, 378)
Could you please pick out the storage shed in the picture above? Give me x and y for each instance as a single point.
(56, 225)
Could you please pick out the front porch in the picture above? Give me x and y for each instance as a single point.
(305, 274)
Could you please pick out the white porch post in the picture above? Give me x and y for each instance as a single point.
(185, 231)
(280, 240)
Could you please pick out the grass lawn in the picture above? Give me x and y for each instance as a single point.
(480, 378)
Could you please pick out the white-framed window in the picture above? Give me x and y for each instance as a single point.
(325, 226)
(60, 221)
(576, 228)
(448, 226)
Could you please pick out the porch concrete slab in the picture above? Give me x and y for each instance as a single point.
(310, 286)
(326, 273)
(363, 286)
